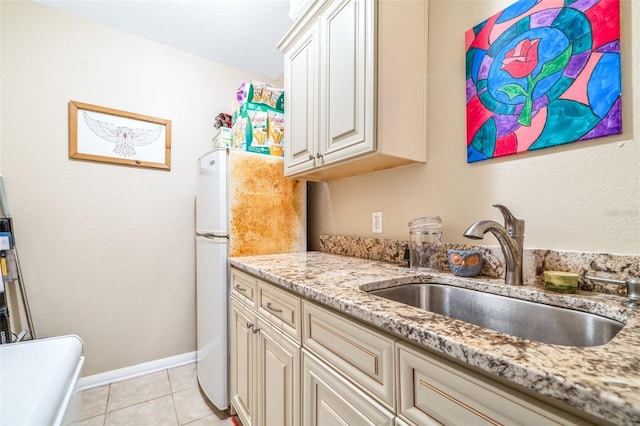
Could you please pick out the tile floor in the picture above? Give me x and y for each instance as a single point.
(167, 397)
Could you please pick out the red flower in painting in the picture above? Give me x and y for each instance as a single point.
(521, 60)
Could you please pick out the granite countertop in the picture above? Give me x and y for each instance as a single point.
(601, 380)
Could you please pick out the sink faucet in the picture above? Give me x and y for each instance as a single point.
(511, 239)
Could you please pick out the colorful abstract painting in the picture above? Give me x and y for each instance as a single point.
(543, 73)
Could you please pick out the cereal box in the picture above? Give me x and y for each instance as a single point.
(261, 93)
(259, 128)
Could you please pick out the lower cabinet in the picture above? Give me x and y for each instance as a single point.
(434, 391)
(295, 362)
(329, 399)
(362, 354)
(400, 422)
(241, 362)
(265, 371)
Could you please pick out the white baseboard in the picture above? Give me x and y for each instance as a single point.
(130, 372)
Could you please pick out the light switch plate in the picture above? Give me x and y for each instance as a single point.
(376, 222)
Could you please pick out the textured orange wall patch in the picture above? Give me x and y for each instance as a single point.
(267, 209)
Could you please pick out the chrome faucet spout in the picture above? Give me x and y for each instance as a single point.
(511, 239)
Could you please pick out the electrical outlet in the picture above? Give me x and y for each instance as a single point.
(376, 222)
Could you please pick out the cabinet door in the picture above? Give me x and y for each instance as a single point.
(301, 98)
(278, 379)
(329, 399)
(241, 352)
(347, 77)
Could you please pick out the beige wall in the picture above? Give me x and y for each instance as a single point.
(107, 251)
(583, 196)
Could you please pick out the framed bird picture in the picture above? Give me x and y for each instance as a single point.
(112, 136)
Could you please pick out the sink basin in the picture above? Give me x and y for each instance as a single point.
(520, 318)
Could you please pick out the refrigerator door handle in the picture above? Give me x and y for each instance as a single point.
(211, 235)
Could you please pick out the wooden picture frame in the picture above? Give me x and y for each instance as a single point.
(112, 136)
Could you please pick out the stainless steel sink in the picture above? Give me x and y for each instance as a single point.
(520, 318)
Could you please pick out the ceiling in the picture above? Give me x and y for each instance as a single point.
(239, 33)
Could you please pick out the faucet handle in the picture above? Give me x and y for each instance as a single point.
(512, 225)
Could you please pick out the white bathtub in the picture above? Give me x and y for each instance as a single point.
(38, 379)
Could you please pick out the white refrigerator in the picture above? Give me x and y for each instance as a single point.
(244, 206)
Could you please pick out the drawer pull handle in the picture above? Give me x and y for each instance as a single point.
(278, 310)
(249, 324)
(238, 288)
(255, 330)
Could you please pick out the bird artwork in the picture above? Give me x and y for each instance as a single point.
(124, 138)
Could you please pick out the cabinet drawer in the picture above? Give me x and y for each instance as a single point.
(362, 354)
(281, 308)
(433, 391)
(243, 286)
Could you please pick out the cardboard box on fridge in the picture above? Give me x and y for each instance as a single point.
(259, 128)
(261, 93)
(224, 138)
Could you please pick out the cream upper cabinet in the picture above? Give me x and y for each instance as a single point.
(346, 80)
(355, 88)
(300, 110)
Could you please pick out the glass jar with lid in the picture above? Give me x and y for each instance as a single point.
(425, 243)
